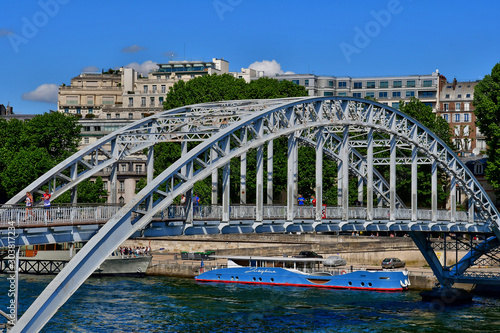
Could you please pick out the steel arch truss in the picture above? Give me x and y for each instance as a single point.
(349, 116)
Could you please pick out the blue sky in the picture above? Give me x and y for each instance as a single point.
(45, 43)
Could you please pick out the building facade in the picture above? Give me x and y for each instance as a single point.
(456, 108)
(108, 101)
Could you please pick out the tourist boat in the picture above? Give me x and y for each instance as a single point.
(303, 272)
(47, 259)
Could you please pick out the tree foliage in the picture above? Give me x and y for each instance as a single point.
(423, 114)
(487, 105)
(439, 126)
(212, 88)
(30, 148)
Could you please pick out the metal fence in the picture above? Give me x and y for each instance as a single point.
(68, 214)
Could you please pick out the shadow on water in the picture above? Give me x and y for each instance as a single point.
(165, 304)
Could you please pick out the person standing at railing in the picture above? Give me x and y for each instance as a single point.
(196, 204)
(183, 204)
(46, 203)
(29, 206)
(301, 200)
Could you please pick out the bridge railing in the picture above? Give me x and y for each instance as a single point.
(20, 216)
(68, 214)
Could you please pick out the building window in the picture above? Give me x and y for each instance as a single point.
(105, 186)
(306, 83)
(395, 105)
(410, 93)
(90, 100)
(445, 106)
(108, 116)
(72, 100)
(358, 85)
(328, 93)
(91, 110)
(78, 111)
(457, 117)
(123, 167)
(370, 84)
(466, 117)
(154, 89)
(382, 94)
(396, 94)
(108, 100)
(468, 95)
(121, 187)
(410, 84)
(457, 106)
(122, 201)
(66, 110)
(342, 94)
(427, 83)
(145, 89)
(330, 83)
(342, 84)
(151, 101)
(429, 104)
(370, 94)
(447, 96)
(397, 84)
(446, 117)
(295, 81)
(86, 140)
(117, 116)
(478, 169)
(356, 95)
(428, 94)
(459, 96)
(384, 84)
(163, 89)
(130, 116)
(466, 106)
(160, 101)
(138, 168)
(143, 101)
(130, 101)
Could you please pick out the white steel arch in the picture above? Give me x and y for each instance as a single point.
(365, 119)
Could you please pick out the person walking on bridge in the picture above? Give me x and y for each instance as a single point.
(29, 206)
(46, 203)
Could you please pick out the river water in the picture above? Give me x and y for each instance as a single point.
(166, 304)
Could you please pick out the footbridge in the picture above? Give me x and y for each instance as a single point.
(368, 141)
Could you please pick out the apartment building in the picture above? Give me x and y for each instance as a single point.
(108, 101)
(456, 108)
(388, 90)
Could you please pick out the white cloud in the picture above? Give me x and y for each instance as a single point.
(45, 93)
(133, 49)
(90, 69)
(269, 67)
(143, 68)
(5, 32)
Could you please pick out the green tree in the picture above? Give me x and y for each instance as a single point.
(211, 88)
(423, 114)
(487, 105)
(30, 148)
(439, 126)
(92, 191)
